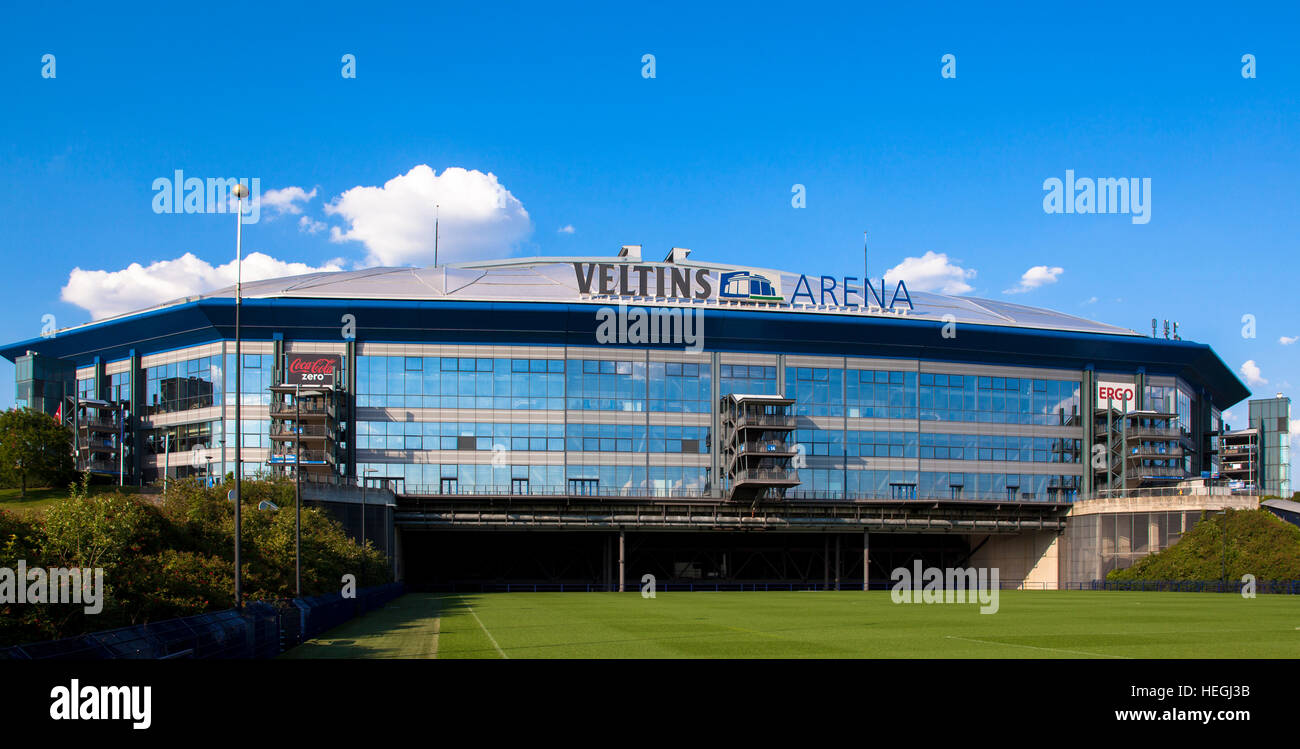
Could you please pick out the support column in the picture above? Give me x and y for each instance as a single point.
(622, 550)
(866, 560)
(826, 562)
(837, 562)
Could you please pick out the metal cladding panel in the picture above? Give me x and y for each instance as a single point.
(739, 330)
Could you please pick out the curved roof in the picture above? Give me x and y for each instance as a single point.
(553, 279)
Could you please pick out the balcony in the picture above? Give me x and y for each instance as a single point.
(1166, 433)
(1158, 471)
(765, 421)
(766, 477)
(774, 448)
(283, 431)
(306, 409)
(312, 457)
(1155, 452)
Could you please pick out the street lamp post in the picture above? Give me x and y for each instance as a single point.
(240, 192)
(1224, 556)
(297, 490)
(364, 481)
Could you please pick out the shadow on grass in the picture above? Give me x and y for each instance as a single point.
(405, 628)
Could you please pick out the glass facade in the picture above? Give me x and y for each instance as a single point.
(1272, 416)
(180, 386)
(631, 424)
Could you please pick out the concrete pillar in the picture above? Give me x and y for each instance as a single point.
(866, 560)
(826, 562)
(837, 562)
(622, 560)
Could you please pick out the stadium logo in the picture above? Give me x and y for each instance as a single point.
(672, 282)
(950, 585)
(745, 285)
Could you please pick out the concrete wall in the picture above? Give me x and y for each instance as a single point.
(1026, 560)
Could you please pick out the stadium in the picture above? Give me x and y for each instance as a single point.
(586, 421)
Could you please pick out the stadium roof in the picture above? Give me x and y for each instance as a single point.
(553, 279)
(541, 301)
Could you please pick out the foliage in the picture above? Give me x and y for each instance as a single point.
(34, 449)
(174, 556)
(1258, 543)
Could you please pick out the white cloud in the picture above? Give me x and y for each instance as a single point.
(1091, 300)
(286, 200)
(1287, 340)
(566, 229)
(933, 271)
(479, 218)
(310, 225)
(107, 293)
(1228, 417)
(1039, 275)
(1250, 370)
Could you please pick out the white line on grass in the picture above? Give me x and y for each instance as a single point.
(1035, 647)
(486, 632)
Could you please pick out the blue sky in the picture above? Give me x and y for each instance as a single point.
(747, 101)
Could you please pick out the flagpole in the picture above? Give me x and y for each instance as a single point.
(240, 192)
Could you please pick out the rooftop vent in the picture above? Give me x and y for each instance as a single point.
(677, 255)
(630, 251)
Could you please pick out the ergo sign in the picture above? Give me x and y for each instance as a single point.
(1122, 395)
(311, 369)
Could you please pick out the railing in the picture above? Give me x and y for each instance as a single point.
(306, 456)
(707, 495)
(1162, 471)
(1171, 433)
(765, 420)
(767, 446)
(1170, 491)
(98, 423)
(765, 475)
(1284, 587)
(433, 490)
(1155, 452)
(281, 429)
(306, 409)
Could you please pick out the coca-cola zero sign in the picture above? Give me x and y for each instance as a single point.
(312, 369)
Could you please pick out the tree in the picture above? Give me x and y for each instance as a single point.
(33, 446)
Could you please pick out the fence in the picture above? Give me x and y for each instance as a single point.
(262, 630)
(1283, 587)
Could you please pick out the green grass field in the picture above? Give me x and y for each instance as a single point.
(40, 498)
(1029, 624)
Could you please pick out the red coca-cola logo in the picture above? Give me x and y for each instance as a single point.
(312, 366)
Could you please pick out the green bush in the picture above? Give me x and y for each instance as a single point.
(1258, 543)
(175, 557)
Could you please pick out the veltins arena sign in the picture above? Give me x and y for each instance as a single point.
(672, 282)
